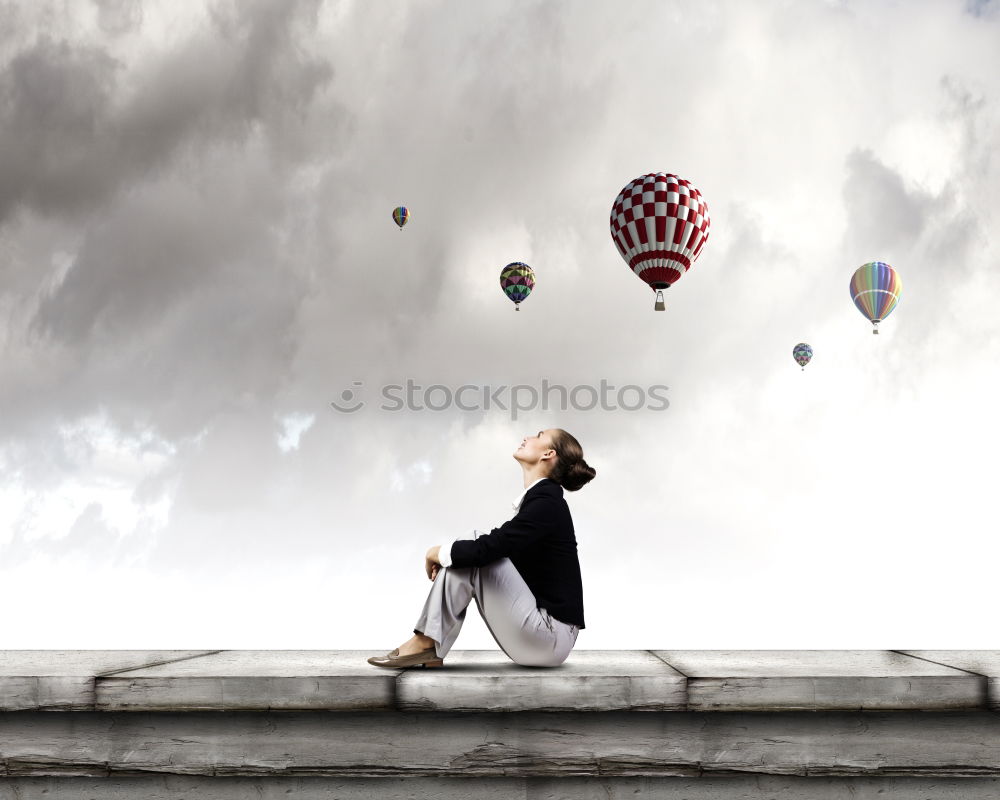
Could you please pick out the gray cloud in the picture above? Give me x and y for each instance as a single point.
(116, 17)
(54, 98)
(981, 8)
(182, 288)
(82, 125)
(884, 216)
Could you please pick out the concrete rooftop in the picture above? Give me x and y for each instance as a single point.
(483, 680)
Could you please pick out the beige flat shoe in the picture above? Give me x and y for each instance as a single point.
(393, 660)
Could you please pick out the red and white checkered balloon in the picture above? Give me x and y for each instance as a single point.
(659, 223)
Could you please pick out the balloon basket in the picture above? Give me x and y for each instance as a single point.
(659, 305)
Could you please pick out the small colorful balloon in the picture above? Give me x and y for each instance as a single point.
(802, 353)
(517, 280)
(875, 290)
(401, 216)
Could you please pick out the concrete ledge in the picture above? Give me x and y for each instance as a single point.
(664, 715)
(254, 680)
(977, 662)
(478, 681)
(773, 680)
(526, 744)
(590, 680)
(66, 679)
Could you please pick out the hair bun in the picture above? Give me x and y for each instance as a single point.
(570, 471)
(578, 474)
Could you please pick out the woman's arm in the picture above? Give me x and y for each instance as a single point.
(535, 521)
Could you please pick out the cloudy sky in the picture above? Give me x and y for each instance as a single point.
(197, 258)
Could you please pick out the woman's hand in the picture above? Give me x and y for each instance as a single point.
(431, 563)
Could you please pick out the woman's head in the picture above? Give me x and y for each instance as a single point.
(554, 453)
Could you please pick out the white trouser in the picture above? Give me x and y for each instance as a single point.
(530, 636)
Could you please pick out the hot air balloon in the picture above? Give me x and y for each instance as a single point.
(517, 280)
(875, 290)
(802, 353)
(400, 216)
(659, 223)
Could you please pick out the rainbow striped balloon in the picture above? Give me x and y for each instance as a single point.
(875, 290)
(400, 216)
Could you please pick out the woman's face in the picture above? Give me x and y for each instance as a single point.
(534, 446)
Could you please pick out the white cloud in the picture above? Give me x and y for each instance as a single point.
(416, 474)
(292, 428)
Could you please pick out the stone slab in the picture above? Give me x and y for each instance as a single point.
(756, 787)
(64, 679)
(400, 744)
(766, 680)
(249, 680)
(589, 680)
(980, 662)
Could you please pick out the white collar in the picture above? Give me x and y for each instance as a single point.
(517, 503)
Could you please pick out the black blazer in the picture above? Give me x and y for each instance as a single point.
(541, 544)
